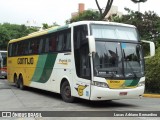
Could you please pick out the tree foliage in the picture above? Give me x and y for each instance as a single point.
(148, 24)
(108, 6)
(95, 15)
(12, 31)
(86, 15)
(152, 73)
(46, 26)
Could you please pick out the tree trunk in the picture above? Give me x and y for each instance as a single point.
(107, 8)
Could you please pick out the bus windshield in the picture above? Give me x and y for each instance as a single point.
(121, 60)
(114, 32)
(118, 60)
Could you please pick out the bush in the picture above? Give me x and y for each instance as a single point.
(152, 73)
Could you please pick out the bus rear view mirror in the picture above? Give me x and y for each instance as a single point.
(92, 44)
(151, 48)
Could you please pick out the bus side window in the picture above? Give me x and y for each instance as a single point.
(47, 45)
(52, 43)
(36, 46)
(60, 39)
(67, 41)
(26, 47)
(23, 47)
(15, 51)
(10, 48)
(20, 48)
(40, 49)
(31, 44)
(43, 44)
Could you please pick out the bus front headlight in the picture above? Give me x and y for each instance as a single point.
(100, 84)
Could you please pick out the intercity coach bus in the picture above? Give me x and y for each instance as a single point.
(92, 60)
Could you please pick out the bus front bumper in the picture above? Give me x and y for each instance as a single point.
(99, 93)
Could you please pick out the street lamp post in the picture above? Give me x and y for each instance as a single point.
(139, 7)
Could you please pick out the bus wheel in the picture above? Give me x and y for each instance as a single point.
(66, 92)
(21, 85)
(16, 81)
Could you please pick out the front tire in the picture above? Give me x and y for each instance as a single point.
(66, 92)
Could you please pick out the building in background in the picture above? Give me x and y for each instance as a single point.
(81, 8)
(33, 24)
(113, 11)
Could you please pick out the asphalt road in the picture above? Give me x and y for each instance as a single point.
(13, 99)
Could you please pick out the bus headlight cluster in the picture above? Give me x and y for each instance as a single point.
(141, 83)
(100, 84)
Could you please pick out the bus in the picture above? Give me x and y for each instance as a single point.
(3, 64)
(92, 60)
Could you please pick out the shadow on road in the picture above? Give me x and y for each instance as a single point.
(81, 102)
(104, 104)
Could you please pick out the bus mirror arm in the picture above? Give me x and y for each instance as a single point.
(152, 48)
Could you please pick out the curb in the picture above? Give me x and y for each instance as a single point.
(152, 95)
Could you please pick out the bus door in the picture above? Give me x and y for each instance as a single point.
(82, 74)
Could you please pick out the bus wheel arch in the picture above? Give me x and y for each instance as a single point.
(21, 82)
(65, 91)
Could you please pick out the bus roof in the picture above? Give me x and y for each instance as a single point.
(40, 33)
(58, 28)
(101, 22)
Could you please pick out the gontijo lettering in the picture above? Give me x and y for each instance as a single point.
(25, 60)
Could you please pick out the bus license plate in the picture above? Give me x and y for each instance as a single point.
(122, 93)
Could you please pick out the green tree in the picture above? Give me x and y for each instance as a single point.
(152, 73)
(4, 37)
(104, 12)
(12, 31)
(46, 26)
(96, 15)
(86, 15)
(148, 24)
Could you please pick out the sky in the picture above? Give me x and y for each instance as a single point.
(50, 11)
